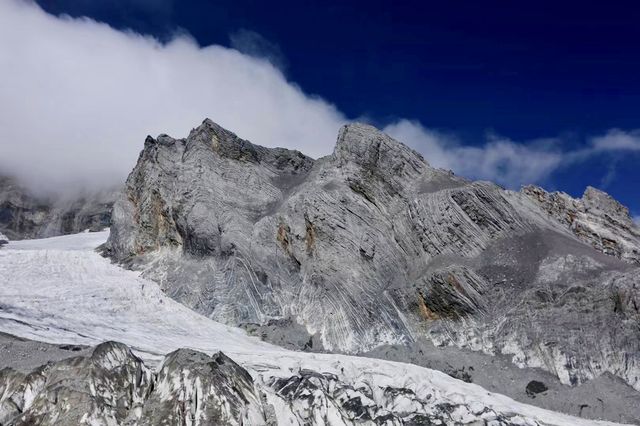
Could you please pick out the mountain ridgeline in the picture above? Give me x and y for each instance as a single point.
(372, 246)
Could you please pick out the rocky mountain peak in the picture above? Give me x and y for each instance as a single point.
(372, 246)
(596, 218)
(110, 355)
(223, 142)
(369, 147)
(376, 165)
(599, 202)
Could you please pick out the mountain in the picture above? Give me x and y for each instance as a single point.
(372, 246)
(26, 215)
(70, 305)
(596, 219)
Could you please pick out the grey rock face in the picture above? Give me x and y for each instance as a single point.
(23, 215)
(372, 246)
(596, 219)
(24, 355)
(113, 387)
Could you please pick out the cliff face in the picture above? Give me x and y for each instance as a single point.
(371, 246)
(596, 218)
(24, 215)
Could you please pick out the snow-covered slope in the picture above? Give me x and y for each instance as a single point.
(59, 290)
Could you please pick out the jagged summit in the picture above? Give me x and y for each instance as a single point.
(370, 245)
(366, 145)
(596, 218)
(598, 201)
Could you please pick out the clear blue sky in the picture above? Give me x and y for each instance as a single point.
(523, 70)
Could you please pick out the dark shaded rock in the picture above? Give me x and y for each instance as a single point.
(108, 386)
(535, 387)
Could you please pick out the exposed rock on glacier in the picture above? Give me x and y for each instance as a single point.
(371, 246)
(194, 388)
(109, 387)
(114, 387)
(24, 215)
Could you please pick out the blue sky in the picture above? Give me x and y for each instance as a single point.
(544, 91)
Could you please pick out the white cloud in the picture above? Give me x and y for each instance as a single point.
(78, 98)
(505, 161)
(436, 147)
(499, 159)
(616, 139)
(253, 44)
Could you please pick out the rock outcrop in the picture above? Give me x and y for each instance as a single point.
(596, 218)
(372, 246)
(24, 215)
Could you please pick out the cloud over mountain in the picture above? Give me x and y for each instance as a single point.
(505, 161)
(79, 97)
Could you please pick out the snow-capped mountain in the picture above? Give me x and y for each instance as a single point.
(371, 245)
(369, 251)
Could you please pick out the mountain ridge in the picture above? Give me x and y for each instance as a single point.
(371, 245)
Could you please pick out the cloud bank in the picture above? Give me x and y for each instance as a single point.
(78, 98)
(505, 161)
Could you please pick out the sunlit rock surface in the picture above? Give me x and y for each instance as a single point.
(372, 246)
(596, 219)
